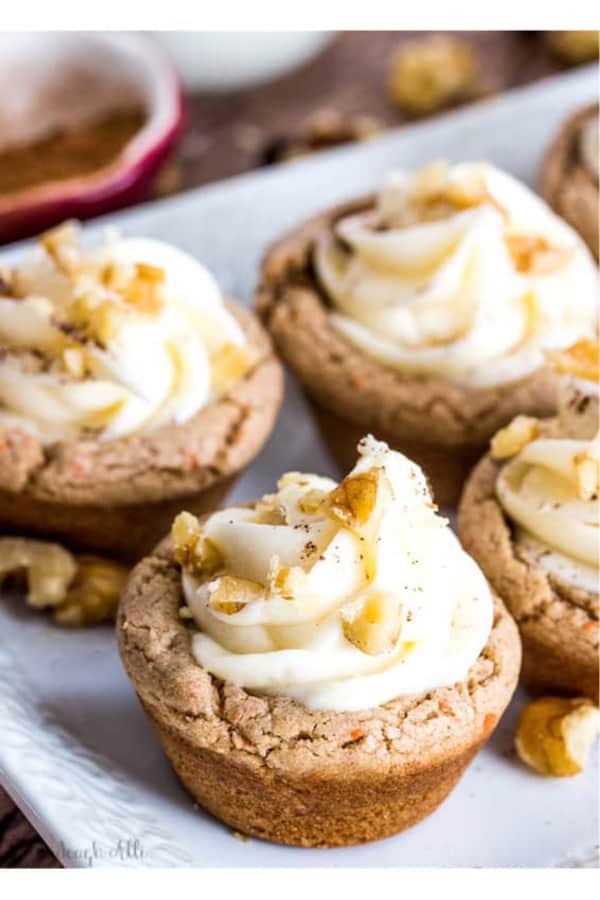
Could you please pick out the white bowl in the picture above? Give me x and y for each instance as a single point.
(225, 60)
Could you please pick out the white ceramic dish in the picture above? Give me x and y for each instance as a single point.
(228, 60)
(76, 751)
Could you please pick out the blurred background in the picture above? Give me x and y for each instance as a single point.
(91, 122)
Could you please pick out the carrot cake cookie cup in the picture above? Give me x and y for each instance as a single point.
(128, 388)
(570, 174)
(422, 313)
(322, 665)
(530, 516)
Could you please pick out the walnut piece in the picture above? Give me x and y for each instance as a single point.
(312, 501)
(285, 581)
(435, 195)
(581, 360)
(554, 734)
(104, 292)
(144, 289)
(194, 553)
(94, 593)
(587, 469)
(268, 511)
(49, 569)
(229, 364)
(82, 590)
(514, 437)
(352, 502)
(229, 594)
(62, 246)
(533, 255)
(574, 46)
(321, 130)
(373, 624)
(433, 72)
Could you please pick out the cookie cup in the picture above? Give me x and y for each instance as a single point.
(442, 426)
(270, 767)
(567, 185)
(558, 623)
(119, 497)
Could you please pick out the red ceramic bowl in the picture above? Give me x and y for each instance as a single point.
(140, 65)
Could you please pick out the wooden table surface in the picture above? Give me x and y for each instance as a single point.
(229, 134)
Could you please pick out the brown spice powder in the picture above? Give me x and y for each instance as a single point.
(69, 153)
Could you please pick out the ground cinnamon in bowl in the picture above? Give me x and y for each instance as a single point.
(69, 152)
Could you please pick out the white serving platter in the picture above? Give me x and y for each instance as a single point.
(76, 752)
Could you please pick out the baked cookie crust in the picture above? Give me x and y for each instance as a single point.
(350, 387)
(120, 496)
(558, 623)
(567, 185)
(268, 766)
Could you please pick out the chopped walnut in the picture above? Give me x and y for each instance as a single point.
(103, 291)
(97, 320)
(293, 478)
(93, 595)
(229, 364)
(356, 503)
(49, 569)
(554, 734)
(143, 289)
(435, 196)
(374, 623)
(433, 72)
(74, 362)
(587, 470)
(511, 440)
(323, 129)
(284, 581)
(574, 46)
(81, 590)
(312, 501)
(195, 553)
(229, 594)
(268, 511)
(581, 360)
(62, 247)
(352, 502)
(535, 255)
(186, 533)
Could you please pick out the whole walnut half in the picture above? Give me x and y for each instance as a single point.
(79, 590)
(428, 74)
(555, 734)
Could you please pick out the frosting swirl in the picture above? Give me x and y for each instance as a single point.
(458, 272)
(340, 596)
(550, 489)
(112, 342)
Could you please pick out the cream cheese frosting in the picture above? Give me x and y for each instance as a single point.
(459, 272)
(341, 596)
(550, 490)
(113, 341)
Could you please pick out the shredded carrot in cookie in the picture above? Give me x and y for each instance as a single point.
(191, 460)
(446, 706)
(489, 723)
(81, 465)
